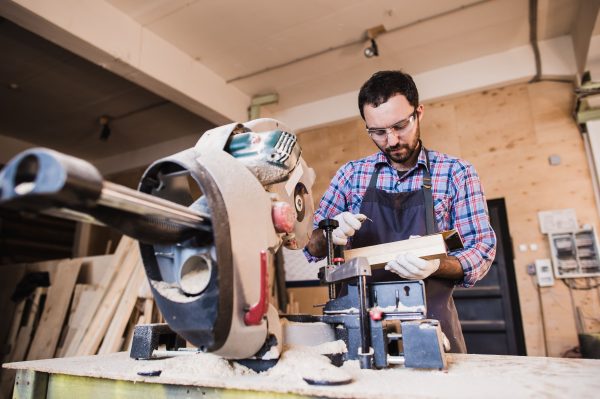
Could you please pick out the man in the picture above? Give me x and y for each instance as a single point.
(406, 190)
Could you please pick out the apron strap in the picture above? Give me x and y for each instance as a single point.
(427, 192)
(374, 176)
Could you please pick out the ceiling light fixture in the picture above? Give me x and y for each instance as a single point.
(104, 128)
(372, 50)
(371, 34)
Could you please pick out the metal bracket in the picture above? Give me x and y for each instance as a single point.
(30, 384)
(354, 268)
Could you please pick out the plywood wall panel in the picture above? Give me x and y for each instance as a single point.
(439, 126)
(508, 134)
(494, 120)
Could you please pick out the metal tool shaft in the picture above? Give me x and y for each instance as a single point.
(365, 356)
(126, 199)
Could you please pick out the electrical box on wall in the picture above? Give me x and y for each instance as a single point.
(543, 272)
(575, 253)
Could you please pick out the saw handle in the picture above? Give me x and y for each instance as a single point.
(255, 314)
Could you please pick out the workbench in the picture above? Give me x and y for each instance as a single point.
(487, 376)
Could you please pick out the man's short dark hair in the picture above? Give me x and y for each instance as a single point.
(385, 84)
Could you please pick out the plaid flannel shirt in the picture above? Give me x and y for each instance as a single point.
(458, 200)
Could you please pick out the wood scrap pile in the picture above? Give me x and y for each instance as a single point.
(90, 306)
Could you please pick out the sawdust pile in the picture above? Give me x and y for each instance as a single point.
(309, 362)
(296, 364)
(206, 365)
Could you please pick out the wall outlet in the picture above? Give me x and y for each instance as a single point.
(543, 272)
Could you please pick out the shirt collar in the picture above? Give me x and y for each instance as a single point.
(381, 158)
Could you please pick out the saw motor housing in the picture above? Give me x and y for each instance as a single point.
(246, 177)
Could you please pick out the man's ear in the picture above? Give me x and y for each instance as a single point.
(421, 111)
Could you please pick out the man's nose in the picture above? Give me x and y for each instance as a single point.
(392, 138)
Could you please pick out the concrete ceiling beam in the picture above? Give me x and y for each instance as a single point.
(582, 31)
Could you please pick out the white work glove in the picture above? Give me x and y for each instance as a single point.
(411, 267)
(349, 223)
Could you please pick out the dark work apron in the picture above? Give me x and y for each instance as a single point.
(397, 216)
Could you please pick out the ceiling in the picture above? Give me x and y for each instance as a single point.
(236, 38)
(54, 98)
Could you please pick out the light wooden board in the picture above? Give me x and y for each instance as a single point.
(105, 311)
(108, 276)
(16, 325)
(55, 309)
(114, 334)
(93, 269)
(23, 339)
(428, 247)
(487, 376)
(24, 335)
(80, 314)
(308, 300)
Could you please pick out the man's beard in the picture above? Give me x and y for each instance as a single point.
(408, 149)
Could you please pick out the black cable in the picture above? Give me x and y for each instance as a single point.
(578, 322)
(573, 285)
(539, 291)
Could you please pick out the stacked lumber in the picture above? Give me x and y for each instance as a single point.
(91, 306)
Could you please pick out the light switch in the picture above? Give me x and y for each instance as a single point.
(533, 247)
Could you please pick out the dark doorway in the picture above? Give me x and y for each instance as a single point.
(489, 313)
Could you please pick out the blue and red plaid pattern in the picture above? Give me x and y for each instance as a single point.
(458, 199)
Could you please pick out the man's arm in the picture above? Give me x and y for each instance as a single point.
(471, 219)
(317, 245)
(333, 202)
(450, 268)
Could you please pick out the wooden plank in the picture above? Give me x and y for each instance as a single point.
(55, 309)
(114, 335)
(427, 247)
(308, 300)
(148, 308)
(25, 332)
(21, 345)
(97, 329)
(11, 275)
(93, 269)
(79, 316)
(119, 256)
(14, 328)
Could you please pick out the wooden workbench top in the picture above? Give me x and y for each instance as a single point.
(467, 376)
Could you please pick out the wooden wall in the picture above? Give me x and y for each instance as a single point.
(508, 134)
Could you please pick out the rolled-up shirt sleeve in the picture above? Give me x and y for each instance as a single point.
(469, 216)
(334, 201)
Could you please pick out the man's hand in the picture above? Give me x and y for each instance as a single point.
(411, 267)
(348, 224)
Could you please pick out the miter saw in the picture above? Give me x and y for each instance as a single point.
(209, 220)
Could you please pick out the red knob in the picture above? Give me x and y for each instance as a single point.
(283, 216)
(376, 314)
